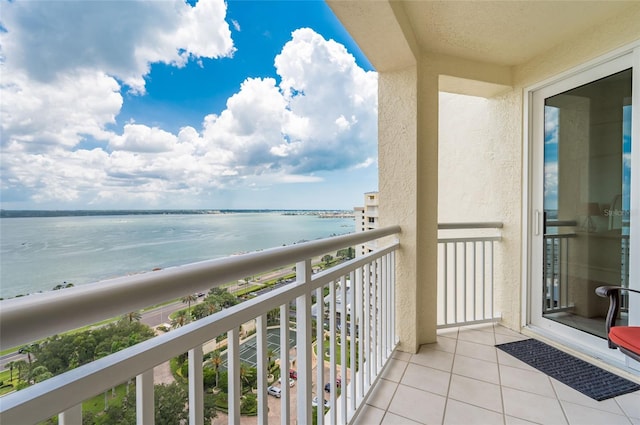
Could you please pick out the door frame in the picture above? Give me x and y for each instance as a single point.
(533, 156)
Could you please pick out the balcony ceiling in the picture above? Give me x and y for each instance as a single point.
(506, 33)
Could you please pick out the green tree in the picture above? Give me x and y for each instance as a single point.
(245, 376)
(188, 299)
(327, 259)
(23, 369)
(132, 316)
(215, 360)
(270, 355)
(211, 307)
(171, 404)
(273, 316)
(199, 311)
(11, 365)
(346, 253)
(60, 353)
(180, 320)
(40, 373)
(63, 285)
(222, 298)
(28, 350)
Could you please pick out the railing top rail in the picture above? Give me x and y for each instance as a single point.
(90, 379)
(471, 239)
(29, 318)
(559, 235)
(561, 223)
(471, 225)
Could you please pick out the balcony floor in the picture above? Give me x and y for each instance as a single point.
(464, 379)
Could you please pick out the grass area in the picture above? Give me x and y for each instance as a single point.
(249, 289)
(5, 378)
(96, 404)
(327, 346)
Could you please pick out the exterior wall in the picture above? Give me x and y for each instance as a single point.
(509, 108)
(479, 180)
(483, 149)
(408, 186)
(612, 34)
(409, 79)
(366, 218)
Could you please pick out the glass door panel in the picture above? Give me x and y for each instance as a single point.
(586, 201)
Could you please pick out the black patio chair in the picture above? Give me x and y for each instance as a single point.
(624, 338)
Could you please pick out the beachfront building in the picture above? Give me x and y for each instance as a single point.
(366, 218)
(541, 146)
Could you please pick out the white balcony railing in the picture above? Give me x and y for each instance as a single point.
(370, 319)
(466, 273)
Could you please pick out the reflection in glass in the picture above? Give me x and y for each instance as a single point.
(587, 152)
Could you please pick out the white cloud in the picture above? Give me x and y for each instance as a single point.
(66, 92)
(140, 138)
(551, 117)
(37, 115)
(118, 38)
(334, 98)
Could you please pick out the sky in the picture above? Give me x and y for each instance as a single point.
(173, 105)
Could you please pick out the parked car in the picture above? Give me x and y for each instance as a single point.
(274, 391)
(314, 402)
(327, 386)
(291, 382)
(293, 374)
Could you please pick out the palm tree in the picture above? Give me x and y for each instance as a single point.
(132, 316)
(188, 299)
(181, 319)
(216, 361)
(11, 365)
(212, 307)
(245, 373)
(270, 354)
(21, 365)
(27, 349)
(273, 316)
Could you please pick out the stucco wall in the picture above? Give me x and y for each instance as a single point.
(481, 169)
(482, 151)
(480, 181)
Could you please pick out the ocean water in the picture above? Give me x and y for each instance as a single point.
(38, 253)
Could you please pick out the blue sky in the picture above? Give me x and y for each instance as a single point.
(126, 104)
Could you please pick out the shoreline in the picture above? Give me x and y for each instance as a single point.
(324, 213)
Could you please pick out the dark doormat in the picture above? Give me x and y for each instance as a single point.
(580, 375)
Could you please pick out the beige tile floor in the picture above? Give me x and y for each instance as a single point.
(463, 379)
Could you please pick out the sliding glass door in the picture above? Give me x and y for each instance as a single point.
(582, 203)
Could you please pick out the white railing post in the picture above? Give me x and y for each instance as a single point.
(233, 369)
(263, 369)
(303, 342)
(344, 340)
(196, 387)
(320, 354)
(284, 363)
(377, 318)
(356, 287)
(465, 275)
(71, 416)
(365, 327)
(333, 378)
(145, 400)
(392, 287)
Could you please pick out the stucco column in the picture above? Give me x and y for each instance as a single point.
(408, 186)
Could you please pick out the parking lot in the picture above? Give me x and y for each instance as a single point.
(249, 351)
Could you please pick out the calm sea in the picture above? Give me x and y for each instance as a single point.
(38, 253)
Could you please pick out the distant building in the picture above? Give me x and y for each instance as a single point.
(366, 218)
